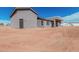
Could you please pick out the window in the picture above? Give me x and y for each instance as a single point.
(41, 22)
(47, 22)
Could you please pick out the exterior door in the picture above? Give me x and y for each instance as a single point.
(21, 25)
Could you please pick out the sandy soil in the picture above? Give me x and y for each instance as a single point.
(39, 39)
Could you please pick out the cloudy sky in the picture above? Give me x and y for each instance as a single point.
(69, 14)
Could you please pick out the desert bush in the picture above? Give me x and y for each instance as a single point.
(1, 23)
(7, 24)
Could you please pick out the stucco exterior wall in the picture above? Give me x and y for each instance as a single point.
(39, 23)
(29, 18)
(50, 25)
(44, 23)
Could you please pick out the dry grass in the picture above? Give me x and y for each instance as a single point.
(39, 39)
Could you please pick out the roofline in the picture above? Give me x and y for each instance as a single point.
(45, 19)
(22, 9)
(56, 17)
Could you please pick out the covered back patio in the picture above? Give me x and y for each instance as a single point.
(56, 22)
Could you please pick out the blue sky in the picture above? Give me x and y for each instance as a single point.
(55, 11)
(68, 13)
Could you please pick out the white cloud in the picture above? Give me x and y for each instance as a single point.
(72, 18)
(4, 21)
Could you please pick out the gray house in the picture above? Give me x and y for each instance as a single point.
(26, 17)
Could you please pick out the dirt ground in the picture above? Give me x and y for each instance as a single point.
(39, 39)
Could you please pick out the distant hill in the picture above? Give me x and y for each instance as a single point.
(72, 18)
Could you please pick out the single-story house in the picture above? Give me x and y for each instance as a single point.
(26, 17)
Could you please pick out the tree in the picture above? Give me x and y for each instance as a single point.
(1, 23)
(7, 24)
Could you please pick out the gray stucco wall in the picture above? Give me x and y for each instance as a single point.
(39, 23)
(29, 18)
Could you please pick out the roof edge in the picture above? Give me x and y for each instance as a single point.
(22, 8)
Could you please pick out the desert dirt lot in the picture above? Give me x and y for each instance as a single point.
(39, 39)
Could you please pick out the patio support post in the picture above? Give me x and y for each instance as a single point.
(54, 23)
